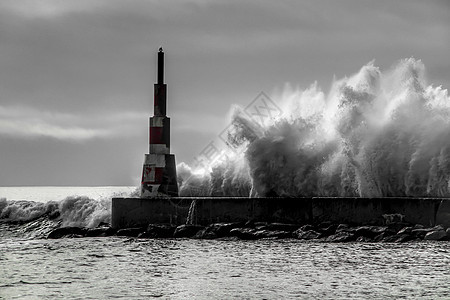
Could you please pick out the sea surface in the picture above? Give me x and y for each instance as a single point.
(32, 267)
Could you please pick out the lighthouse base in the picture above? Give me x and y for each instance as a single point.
(159, 176)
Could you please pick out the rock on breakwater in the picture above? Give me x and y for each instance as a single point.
(322, 232)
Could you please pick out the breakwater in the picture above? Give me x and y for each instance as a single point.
(136, 212)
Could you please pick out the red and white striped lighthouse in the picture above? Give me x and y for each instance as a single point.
(159, 175)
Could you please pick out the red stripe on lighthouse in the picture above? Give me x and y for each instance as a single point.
(156, 135)
(152, 175)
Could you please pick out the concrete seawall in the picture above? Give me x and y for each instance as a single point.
(134, 212)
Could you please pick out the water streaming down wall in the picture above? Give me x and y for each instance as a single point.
(190, 219)
(374, 134)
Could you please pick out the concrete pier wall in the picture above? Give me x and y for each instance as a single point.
(133, 212)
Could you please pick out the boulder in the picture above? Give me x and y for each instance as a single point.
(363, 239)
(418, 226)
(279, 234)
(397, 226)
(147, 235)
(205, 233)
(282, 227)
(160, 231)
(405, 230)
(325, 224)
(260, 224)
(383, 235)
(130, 232)
(384, 229)
(67, 232)
(100, 231)
(340, 237)
(342, 227)
(370, 232)
(438, 227)
(436, 235)
(367, 231)
(307, 227)
(187, 231)
(398, 238)
(74, 236)
(244, 233)
(218, 230)
(420, 233)
(328, 230)
(249, 224)
(306, 235)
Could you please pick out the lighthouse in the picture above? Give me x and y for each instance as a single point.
(159, 174)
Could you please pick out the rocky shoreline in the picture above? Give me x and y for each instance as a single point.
(396, 232)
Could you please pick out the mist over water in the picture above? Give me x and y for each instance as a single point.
(374, 134)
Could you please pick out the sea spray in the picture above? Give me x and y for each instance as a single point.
(374, 134)
(85, 212)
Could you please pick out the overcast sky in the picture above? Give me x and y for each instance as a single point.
(76, 76)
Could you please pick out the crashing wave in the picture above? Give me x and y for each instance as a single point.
(72, 211)
(374, 134)
(36, 219)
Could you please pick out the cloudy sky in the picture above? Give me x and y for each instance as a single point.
(76, 76)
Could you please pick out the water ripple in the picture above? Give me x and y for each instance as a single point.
(219, 269)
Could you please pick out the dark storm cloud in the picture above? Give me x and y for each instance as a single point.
(81, 72)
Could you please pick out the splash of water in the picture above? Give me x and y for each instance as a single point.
(374, 134)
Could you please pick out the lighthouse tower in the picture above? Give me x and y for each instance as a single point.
(159, 175)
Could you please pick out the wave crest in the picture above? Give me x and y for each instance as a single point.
(72, 211)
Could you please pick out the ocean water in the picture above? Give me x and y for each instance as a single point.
(105, 268)
(33, 267)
